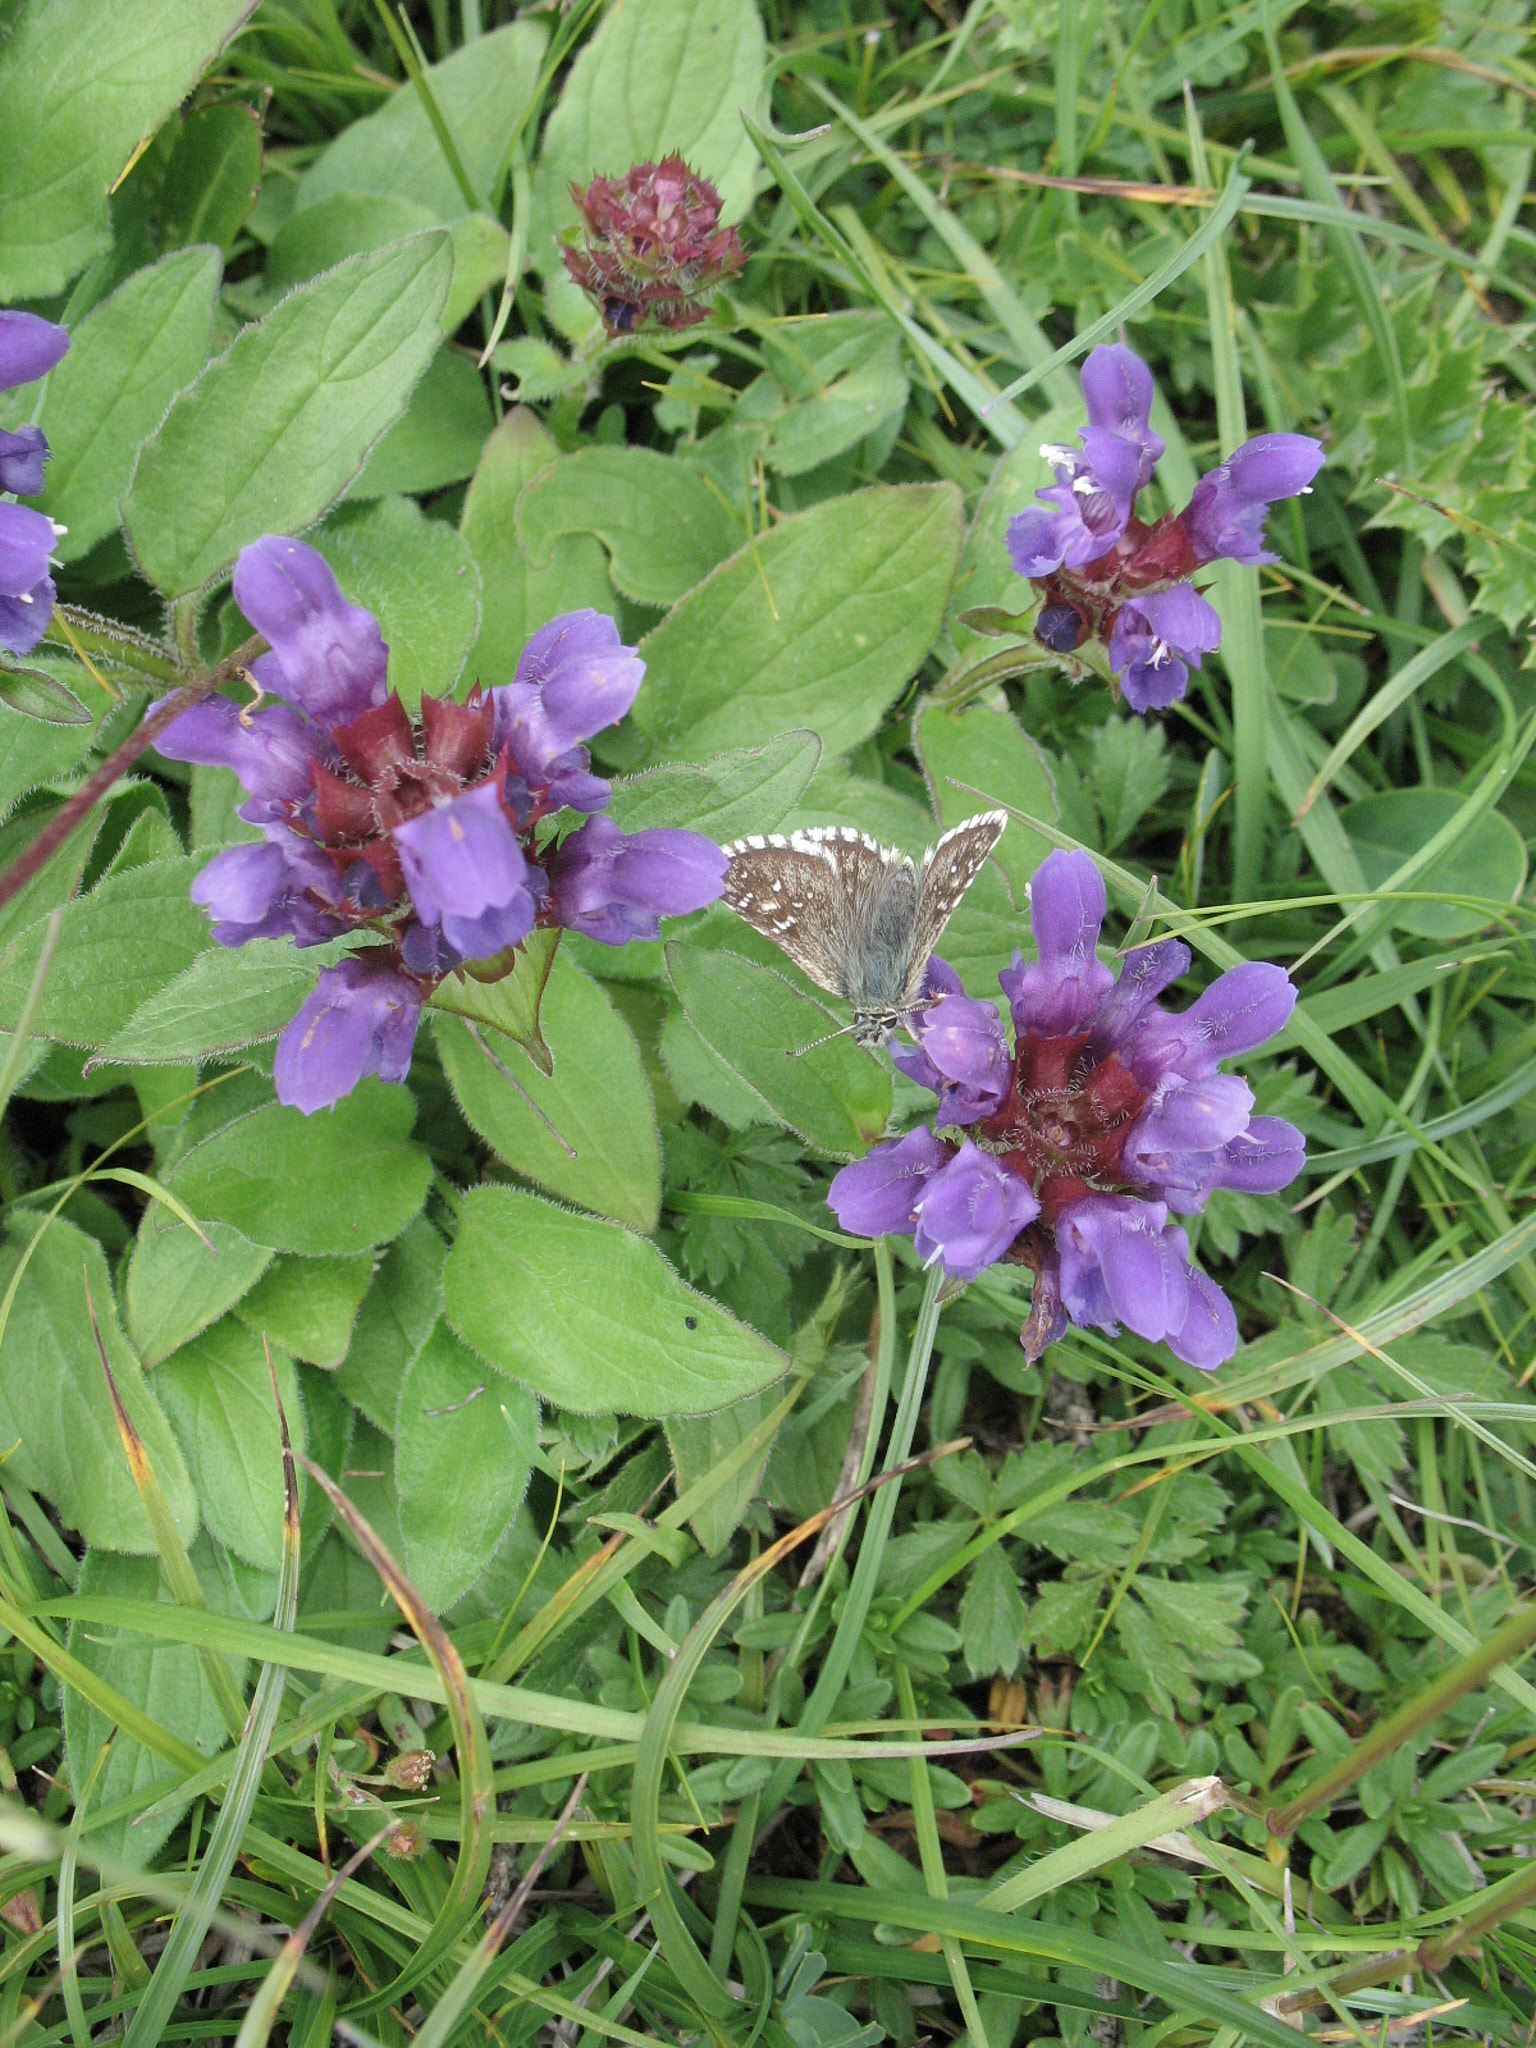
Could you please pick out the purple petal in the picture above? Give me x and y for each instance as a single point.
(877, 1195)
(1123, 1262)
(1182, 618)
(1243, 1008)
(270, 892)
(1156, 640)
(29, 348)
(1063, 990)
(1207, 1337)
(1118, 389)
(615, 887)
(360, 1020)
(1038, 539)
(1154, 684)
(970, 1213)
(1175, 1144)
(22, 456)
(328, 656)
(1144, 974)
(584, 675)
(961, 1054)
(26, 542)
(24, 617)
(1262, 1159)
(273, 753)
(1226, 515)
(466, 872)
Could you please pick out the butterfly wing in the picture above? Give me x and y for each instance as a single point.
(807, 893)
(948, 871)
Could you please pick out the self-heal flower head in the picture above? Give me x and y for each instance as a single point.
(1103, 574)
(1091, 499)
(1115, 1113)
(1226, 515)
(419, 833)
(1157, 639)
(650, 248)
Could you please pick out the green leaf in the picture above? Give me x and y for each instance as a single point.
(515, 598)
(349, 223)
(218, 1396)
(166, 1681)
(229, 997)
(339, 1181)
(658, 75)
(464, 1444)
(309, 1306)
(592, 1317)
(511, 1005)
(277, 426)
(33, 753)
(1130, 771)
(1200, 1614)
(700, 1443)
(133, 933)
(482, 89)
(837, 1097)
(397, 1314)
(1488, 863)
(418, 578)
(176, 1287)
(597, 1097)
(54, 1404)
(662, 524)
(80, 85)
(127, 360)
(842, 379)
(992, 1616)
(749, 789)
(820, 622)
(40, 694)
(212, 177)
(438, 438)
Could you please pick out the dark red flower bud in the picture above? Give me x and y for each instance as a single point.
(650, 247)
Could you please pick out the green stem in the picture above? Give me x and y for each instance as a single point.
(1504, 1646)
(935, 1877)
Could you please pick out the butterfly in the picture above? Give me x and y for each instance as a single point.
(859, 918)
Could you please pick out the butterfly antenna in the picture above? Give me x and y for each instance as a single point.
(799, 1051)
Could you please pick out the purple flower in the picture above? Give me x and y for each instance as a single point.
(466, 872)
(971, 1211)
(1111, 1112)
(1227, 512)
(272, 750)
(614, 887)
(574, 678)
(1064, 989)
(1158, 638)
(328, 656)
(961, 1051)
(29, 348)
(22, 456)
(1239, 1011)
(421, 831)
(26, 588)
(277, 890)
(361, 1019)
(1094, 492)
(877, 1196)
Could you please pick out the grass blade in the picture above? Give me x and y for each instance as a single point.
(196, 1915)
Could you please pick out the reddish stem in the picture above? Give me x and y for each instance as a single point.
(53, 835)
